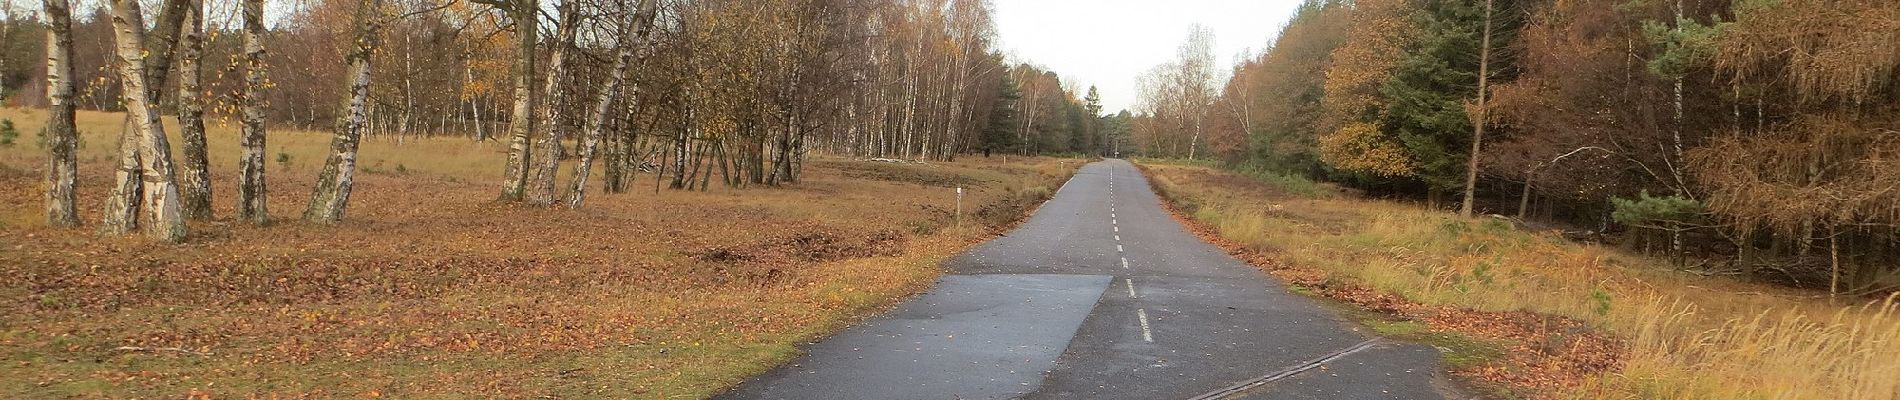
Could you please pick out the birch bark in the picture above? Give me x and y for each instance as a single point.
(123, 205)
(61, 135)
(159, 191)
(332, 194)
(522, 119)
(548, 158)
(1478, 124)
(623, 59)
(195, 183)
(251, 184)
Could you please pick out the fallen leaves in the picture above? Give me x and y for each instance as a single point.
(447, 293)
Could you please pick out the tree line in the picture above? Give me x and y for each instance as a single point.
(688, 91)
(1760, 132)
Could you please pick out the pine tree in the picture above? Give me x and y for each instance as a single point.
(1001, 135)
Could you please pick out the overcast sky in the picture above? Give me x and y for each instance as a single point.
(1108, 43)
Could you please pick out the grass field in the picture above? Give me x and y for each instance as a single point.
(1534, 296)
(431, 290)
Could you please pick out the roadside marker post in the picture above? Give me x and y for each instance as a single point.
(959, 206)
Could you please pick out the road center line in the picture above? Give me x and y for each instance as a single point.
(1124, 262)
(1118, 238)
(1118, 229)
(1118, 247)
(1147, 335)
(1131, 288)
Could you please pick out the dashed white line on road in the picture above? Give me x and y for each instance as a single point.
(1118, 238)
(1124, 262)
(1111, 215)
(1119, 248)
(1131, 288)
(1147, 335)
(1118, 228)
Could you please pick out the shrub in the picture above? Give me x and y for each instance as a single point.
(7, 133)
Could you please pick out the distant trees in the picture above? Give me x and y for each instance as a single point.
(1177, 96)
(1267, 116)
(1761, 127)
(1003, 133)
(688, 90)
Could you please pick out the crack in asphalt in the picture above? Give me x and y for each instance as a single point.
(1296, 369)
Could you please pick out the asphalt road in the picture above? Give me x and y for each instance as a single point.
(1101, 295)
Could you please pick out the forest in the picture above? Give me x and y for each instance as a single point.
(690, 91)
(1735, 137)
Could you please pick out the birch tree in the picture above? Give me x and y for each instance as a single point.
(635, 32)
(1482, 116)
(61, 136)
(547, 164)
(332, 193)
(522, 120)
(252, 205)
(195, 183)
(1196, 77)
(126, 199)
(160, 192)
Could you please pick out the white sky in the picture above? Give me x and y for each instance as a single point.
(1108, 43)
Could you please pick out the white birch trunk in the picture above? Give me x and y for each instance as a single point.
(597, 119)
(61, 134)
(160, 192)
(332, 194)
(521, 126)
(547, 164)
(125, 201)
(1477, 131)
(195, 183)
(251, 184)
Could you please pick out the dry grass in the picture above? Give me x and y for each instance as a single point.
(431, 290)
(1688, 336)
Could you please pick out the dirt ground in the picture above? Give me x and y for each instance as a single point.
(430, 289)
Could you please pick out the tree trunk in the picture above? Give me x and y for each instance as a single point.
(1675, 160)
(613, 169)
(1833, 261)
(160, 192)
(541, 184)
(62, 137)
(597, 120)
(682, 145)
(1478, 124)
(521, 126)
(195, 184)
(123, 205)
(251, 184)
(332, 194)
(1524, 199)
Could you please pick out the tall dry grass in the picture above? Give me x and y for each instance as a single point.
(1689, 336)
(288, 149)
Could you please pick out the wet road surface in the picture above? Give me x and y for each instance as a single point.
(1102, 295)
